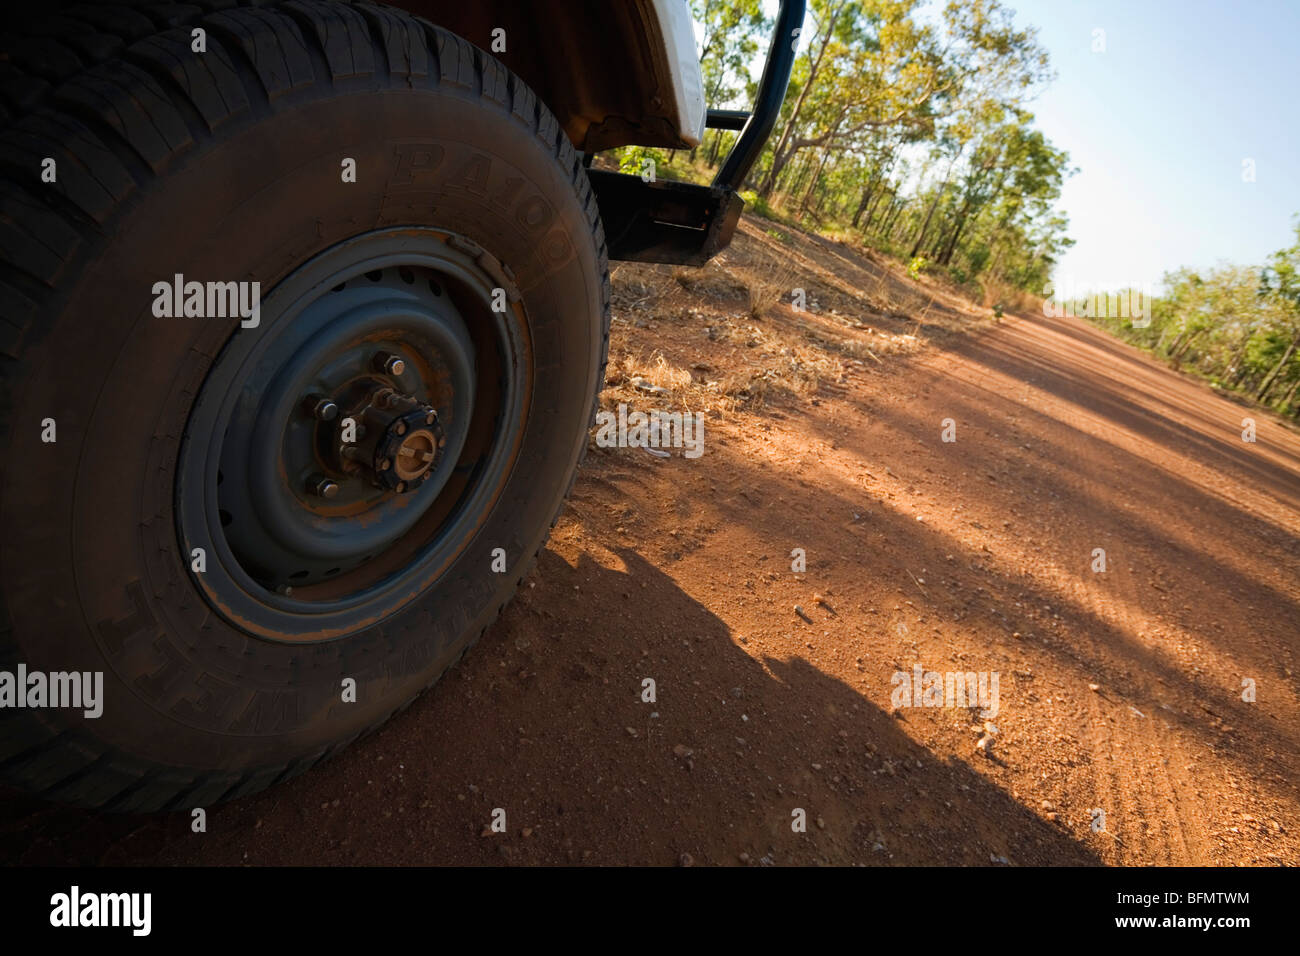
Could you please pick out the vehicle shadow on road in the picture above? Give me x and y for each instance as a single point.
(545, 720)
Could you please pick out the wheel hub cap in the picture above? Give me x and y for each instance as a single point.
(350, 444)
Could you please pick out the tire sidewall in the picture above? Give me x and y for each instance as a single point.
(95, 577)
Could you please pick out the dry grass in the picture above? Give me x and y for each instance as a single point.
(786, 365)
(635, 372)
(723, 338)
(1010, 298)
(767, 282)
(765, 364)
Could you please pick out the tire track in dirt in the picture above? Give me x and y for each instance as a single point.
(1138, 795)
(1111, 778)
(1164, 750)
(1139, 771)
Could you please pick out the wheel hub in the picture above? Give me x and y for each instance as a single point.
(350, 444)
(394, 441)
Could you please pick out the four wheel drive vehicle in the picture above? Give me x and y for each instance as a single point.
(304, 308)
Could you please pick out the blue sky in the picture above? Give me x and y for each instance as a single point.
(1159, 124)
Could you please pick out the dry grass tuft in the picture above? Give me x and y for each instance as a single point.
(768, 282)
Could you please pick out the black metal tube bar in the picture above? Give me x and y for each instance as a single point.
(727, 119)
(771, 94)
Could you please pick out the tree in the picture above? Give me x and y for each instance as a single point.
(1280, 284)
(730, 39)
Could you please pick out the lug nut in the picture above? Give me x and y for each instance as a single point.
(324, 487)
(320, 408)
(385, 464)
(430, 418)
(390, 363)
(400, 428)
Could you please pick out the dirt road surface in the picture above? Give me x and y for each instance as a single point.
(1121, 734)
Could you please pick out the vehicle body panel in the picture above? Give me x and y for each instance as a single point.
(614, 74)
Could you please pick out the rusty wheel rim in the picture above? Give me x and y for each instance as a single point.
(342, 454)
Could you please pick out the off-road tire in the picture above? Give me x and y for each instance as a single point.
(226, 165)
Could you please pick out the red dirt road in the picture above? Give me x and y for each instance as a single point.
(1120, 691)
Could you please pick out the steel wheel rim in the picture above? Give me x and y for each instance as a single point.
(252, 442)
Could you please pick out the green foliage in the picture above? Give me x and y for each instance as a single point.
(905, 123)
(732, 30)
(639, 161)
(759, 206)
(1236, 326)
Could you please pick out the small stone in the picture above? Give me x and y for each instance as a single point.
(686, 860)
(631, 731)
(682, 750)
(744, 858)
(1094, 687)
(821, 824)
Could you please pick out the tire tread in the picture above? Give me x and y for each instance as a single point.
(111, 84)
